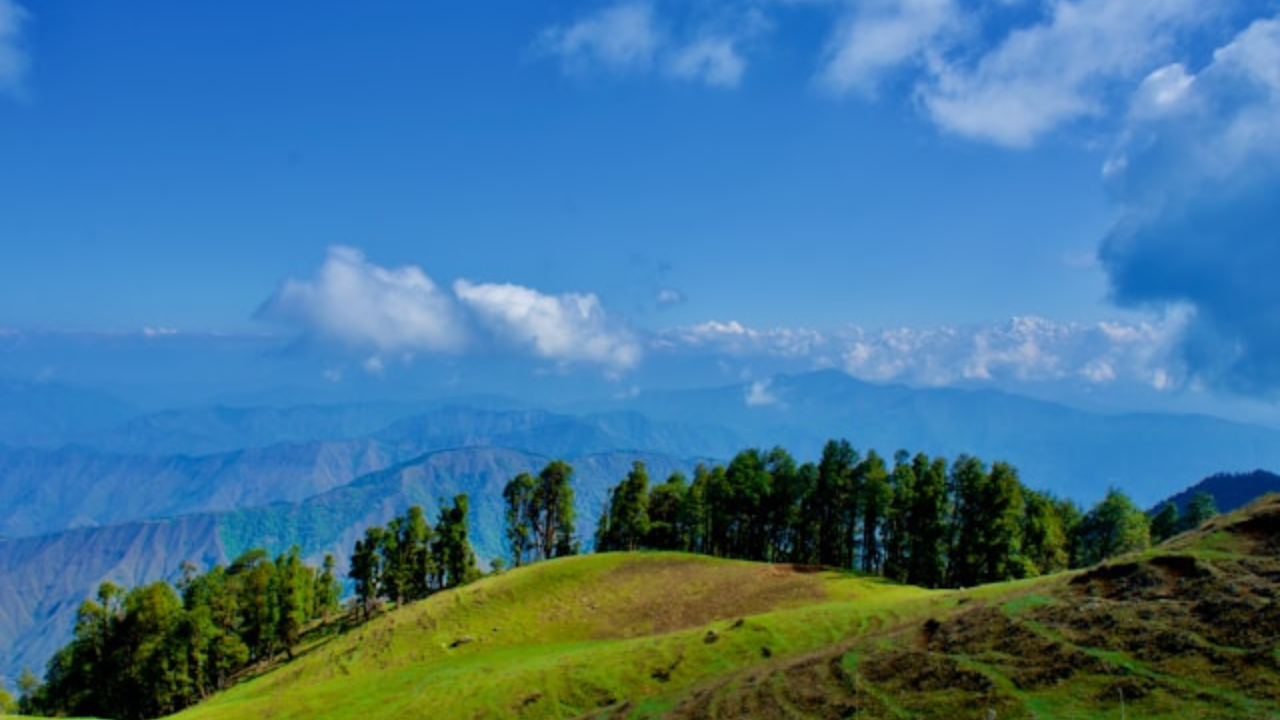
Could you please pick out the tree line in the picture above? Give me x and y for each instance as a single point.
(157, 648)
(921, 520)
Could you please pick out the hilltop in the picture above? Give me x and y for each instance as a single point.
(1188, 629)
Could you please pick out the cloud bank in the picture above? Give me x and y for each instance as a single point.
(401, 311)
(1022, 351)
(1198, 178)
(13, 55)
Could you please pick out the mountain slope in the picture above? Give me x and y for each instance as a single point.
(49, 490)
(563, 637)
(44, 579)
(1187, 630)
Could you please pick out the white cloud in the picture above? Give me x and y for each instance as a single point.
(14, 60)
(401, 311)
(712, 60)
(358, 303)
(1054, 72)
(758, 394)
(628, 38)
(1023, 350)
(619, 38)
(999, 74)
(569, 327)
(878, 36)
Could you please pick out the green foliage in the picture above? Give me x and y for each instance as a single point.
(149, 651)
(553, 512)
(625, 522)
(918, 523)
(518, 502)
(1166, 523)
(1114, 526)
(1199, 509)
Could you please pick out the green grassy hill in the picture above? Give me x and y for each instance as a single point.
(1186, 630)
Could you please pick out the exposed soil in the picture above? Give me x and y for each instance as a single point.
(676, 594)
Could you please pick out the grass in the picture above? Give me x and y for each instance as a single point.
(566, 637)
(1186, 630)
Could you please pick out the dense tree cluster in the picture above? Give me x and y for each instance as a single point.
(155, 649)
(921, 520)
(409, 560)
(152, 651)
(540, 514)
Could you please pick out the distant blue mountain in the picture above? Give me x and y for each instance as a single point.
(1075, 453)
(49, 414)
(44, 579)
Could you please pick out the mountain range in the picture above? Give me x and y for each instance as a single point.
(97, 489)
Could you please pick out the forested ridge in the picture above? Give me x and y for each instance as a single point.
(920, 520)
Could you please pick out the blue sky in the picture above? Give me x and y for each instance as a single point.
(931, 191)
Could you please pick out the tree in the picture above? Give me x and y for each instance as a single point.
(366, 568)
(897, 523)
(293, 585)
(876, 496)
(669, 524)
(627, 521)
(965, 556)
(518, 499)
(1200, 509)
(926, 544)
(1045, 542)
(328, 591)
(833, 508)
(553, 512)
(1166, 523)
(455, 560)
(1114, 526)
(1001, 515)
(28, 689)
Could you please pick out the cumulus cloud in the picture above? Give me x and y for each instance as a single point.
(401, 311)
(570, 327)
(629, 38)
(356, 302)
(14, 60)
(1198, 178)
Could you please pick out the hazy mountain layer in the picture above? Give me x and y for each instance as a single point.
(44, 579)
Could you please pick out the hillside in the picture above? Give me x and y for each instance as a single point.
(37, 612)
(1186, 630)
